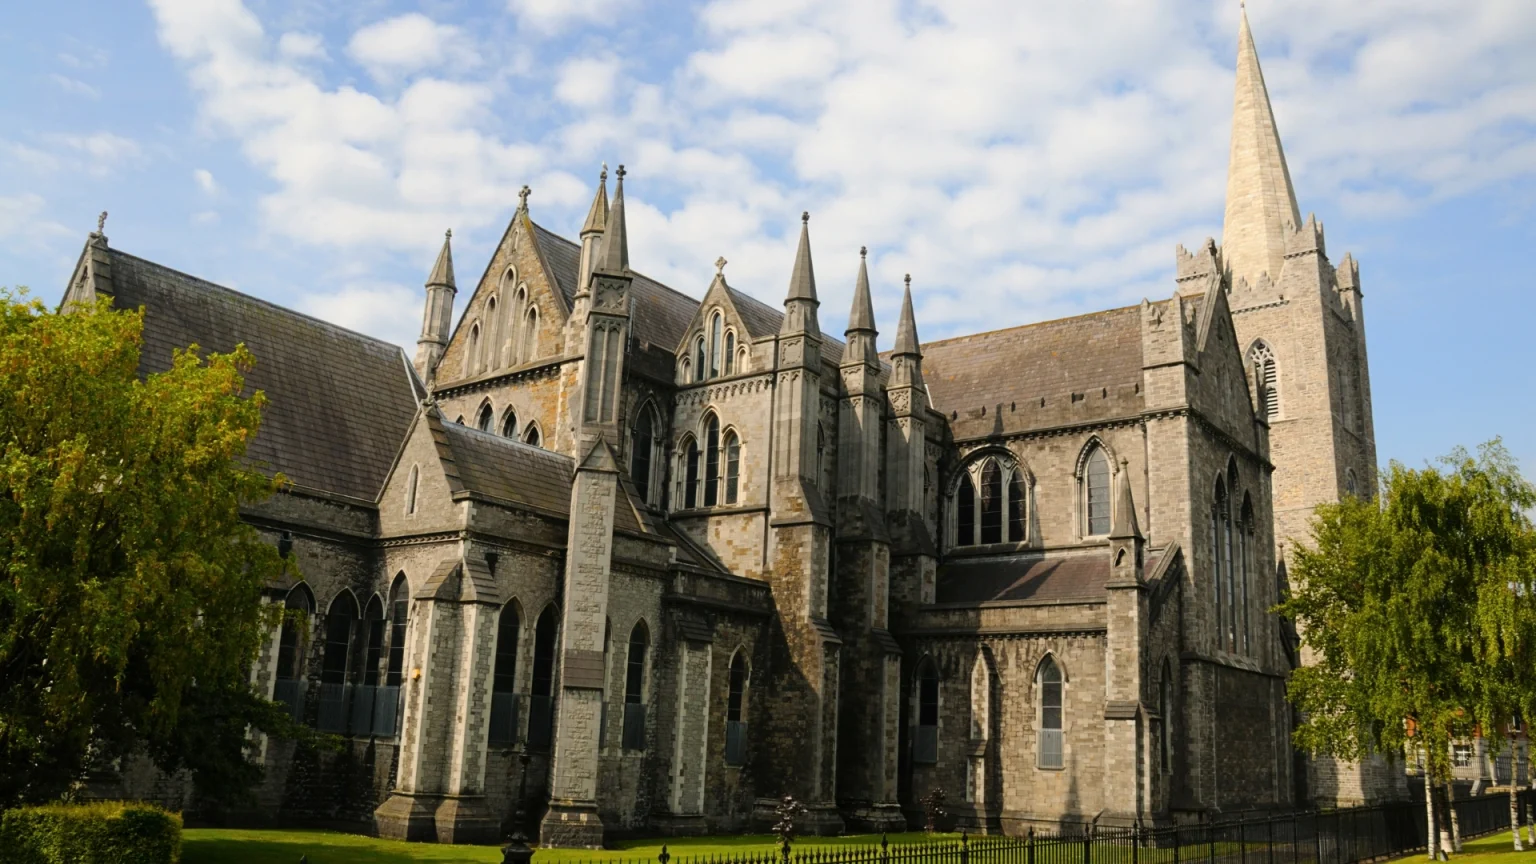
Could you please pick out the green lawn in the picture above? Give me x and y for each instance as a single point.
(219, 845)
(1492, 849)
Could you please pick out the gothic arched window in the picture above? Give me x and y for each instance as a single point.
(699, 369)
(1266, 381)
(472, 350)
(531, 435)
(716, 328)
(1052, 735)
(530, 343)
(509, 424)
(925, 747)
(712, 462)
(732, 466)
(492, 335)
(1245, 568)
(504, 677)
(541, 703)
(735, 713)
(1165, 714)
(965, 511)
(634, 688)
(730, 352)
(486, 418)
(339, 620)
(1017, 526)
(290, 654)
(991, 503)
(399, 610)
(373, 619)
(690, 491)
(821, 456)
(1095, 483)
(1220, 528)
(640, 454)
(410, 489)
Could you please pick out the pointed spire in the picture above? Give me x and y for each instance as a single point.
(1261, 203)
(442, 271)
(597, 217)
(614, 258)
(862, 315)
(802, 282)
(1123, 520)
(906, 329)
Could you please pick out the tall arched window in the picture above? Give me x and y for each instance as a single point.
(486, 418)
(1245, 569)
(1219, 525)
(531, 436)
(492, 335)
(730, 352)
(991, 503)
(1351, 487)
(410, 489)
(712, 461)
(1096, 493)
(541, 703)
(732, 467)
(716, 328)
(698, 360)
(685, 374)
(965, 511)
(509, 424)
(640, 454)
(634, 688)
(504, 677)
(1230, 533)
(531, 334)
(735, 713)
(289, 688)
(1017, 527)
(925, 746)
(821, 456)
(399, 610)
(1265, 380)
(515, 316)
(336, 663)
(690, 474)
(1052, 736)
(472, 350)
(1165, 714)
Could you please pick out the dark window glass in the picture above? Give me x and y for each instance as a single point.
(714, 348)
(965, 512)
(732, 467)
(1096, 480)
(374, 615)
(928, 695)
(1016, 526)
(289, 654)
(400, 605)
(509, 425)
(532, 435)
(991, 504)
(712, 463)
(640, 457)
(506, 651)
(338, 640)
(634, 678)
(738, 689)
(544, 639)
(486, 417)
(691, 476)
(730, 353)
(698, 359)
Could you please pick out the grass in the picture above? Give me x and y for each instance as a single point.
(1491, 849)
(220, 845)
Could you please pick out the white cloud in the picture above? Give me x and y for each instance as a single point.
(302, 46)
(22, 225)
(205, 181)
(75, 87)
(553, 15)
(101, 152)
(587, 82)
(386, 311)
(408, 43)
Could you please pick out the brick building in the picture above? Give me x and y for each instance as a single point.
(625, 560)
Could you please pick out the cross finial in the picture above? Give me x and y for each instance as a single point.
(720, 266)
(621, 172)
(908, 280)
(805, 216)
(604, 174)
(101, 222)
(863, 251)
(448, 235)
(522, 197)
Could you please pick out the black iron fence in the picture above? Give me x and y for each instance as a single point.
(1346, 836)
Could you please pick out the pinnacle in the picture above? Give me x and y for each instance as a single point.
(802, 282)
(862, 315)
(614, 257)
(1261, 201)
(442, 271)
(597, 217)
(1124, 517)
(906, 329)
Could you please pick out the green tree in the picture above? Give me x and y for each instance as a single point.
(1416, 614)
(130, 608)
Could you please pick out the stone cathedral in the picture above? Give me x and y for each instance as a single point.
(606, 558)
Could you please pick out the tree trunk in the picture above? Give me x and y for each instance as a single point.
(1514, 814)
(1530, 824)
(1431, 831)
(1450, 808)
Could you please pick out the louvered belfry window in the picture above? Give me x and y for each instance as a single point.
(1266, 379)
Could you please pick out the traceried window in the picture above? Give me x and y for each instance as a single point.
(1016, 522)
(641, 453)
(732, 467)
(1266, 380)
(925, 746)
(1052, 736)
(735, 713)
(1095, 482)
(634, 688)
(712, 462)
(486, 418)
(990, 503)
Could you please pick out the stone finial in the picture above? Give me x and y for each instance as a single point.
(101, 222)
(720, 266)
(522, 197)
(448, 235)
(614, 257)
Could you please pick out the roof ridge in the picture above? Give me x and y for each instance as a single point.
(260, 301)
(532, 448)
(927, 345)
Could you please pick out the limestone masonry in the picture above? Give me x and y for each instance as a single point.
(606, 558)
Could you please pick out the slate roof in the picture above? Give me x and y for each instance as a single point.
(338, 402)
(1016, 578)
(1075, 355)
(505, 469)
(661, 314)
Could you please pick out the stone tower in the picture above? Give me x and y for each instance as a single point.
(437, 317)
(1301, 326)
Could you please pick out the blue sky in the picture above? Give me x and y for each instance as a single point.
(1023, 160)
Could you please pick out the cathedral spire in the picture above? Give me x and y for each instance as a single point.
(906, 329)
(614, 258)
(800, 304)
(1261, 203)
(437, 314)
(861, 333)
(597, 217)
(442, 271)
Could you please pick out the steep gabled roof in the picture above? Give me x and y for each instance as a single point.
(338, 402)
(1068, 355)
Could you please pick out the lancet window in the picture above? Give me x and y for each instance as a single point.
(991, 502)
